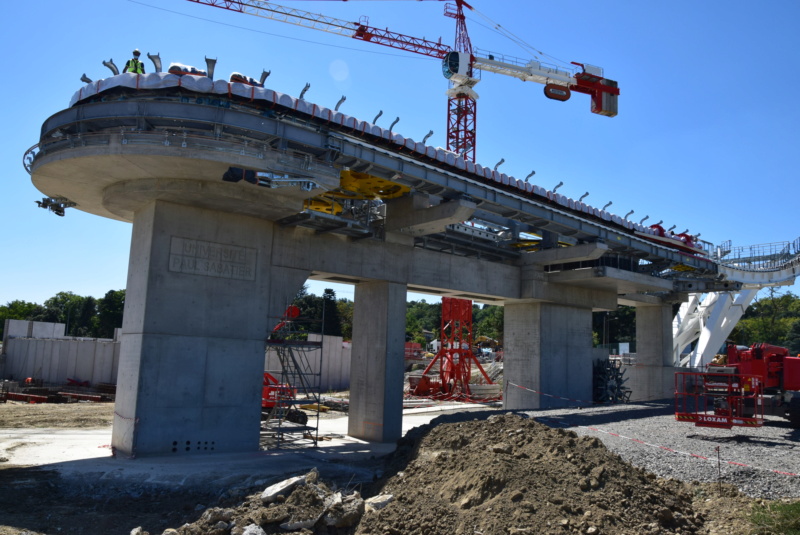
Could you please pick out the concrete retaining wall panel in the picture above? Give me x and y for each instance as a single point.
(47, 330)
(56, 360)
(104, 365)
(16, 329)
(65, 358)
(50, 359)
(84, 365)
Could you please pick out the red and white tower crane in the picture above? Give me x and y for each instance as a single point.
(459, 64)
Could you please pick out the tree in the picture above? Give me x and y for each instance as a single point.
(332, 325)
(310, 319)
(17, 310)
(64, 307)
(615, 326)
(793, 339)
(428, 318)
(768, 319)
(489, 322)
(109, 313)
(345, 307)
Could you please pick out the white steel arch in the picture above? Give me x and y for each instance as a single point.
(708, 319)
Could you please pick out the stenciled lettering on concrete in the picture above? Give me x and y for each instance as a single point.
(197, 257)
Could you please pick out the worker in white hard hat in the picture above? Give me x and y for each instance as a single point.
(134, 65)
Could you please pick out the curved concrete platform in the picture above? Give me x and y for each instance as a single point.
(121, 174)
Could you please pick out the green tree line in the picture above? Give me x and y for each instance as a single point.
(83, 316)
(774, 318)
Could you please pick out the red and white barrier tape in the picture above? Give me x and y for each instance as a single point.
(550, 395)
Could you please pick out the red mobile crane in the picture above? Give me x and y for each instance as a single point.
(458, 64)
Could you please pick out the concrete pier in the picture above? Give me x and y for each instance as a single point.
(653, 376)
(201, 289)
(376, 368)
(548, 351)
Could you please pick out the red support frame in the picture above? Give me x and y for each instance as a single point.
(455, 357)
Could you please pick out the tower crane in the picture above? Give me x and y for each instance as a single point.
(459, 64)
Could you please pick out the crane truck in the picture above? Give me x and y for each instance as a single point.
(740, 387)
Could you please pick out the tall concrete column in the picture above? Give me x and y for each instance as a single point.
(653, 376)
(547, 350)
(376, 362)
(201, 292)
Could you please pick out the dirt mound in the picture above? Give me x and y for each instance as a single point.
(509, 474)
(503, 475)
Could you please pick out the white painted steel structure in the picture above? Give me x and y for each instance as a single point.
(706, 320)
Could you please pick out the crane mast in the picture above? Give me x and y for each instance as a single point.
(462, 105)
(458, 64)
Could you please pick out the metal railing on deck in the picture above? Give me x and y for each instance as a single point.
(239, 145)
(764, 257)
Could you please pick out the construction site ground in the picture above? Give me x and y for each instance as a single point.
(485, 472)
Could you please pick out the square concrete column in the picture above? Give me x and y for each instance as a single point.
(376, 362)
(547, 356)
(653, 376)
(201, 292)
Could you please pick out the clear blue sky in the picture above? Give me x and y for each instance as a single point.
(706, 136)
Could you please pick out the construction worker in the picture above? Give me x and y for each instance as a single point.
(134, 65)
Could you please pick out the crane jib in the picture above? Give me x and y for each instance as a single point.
(461, 105)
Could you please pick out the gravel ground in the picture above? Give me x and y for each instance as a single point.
(763, 462)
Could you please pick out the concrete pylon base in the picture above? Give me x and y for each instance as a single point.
(547, 356)
(202, 293)
(376, 363)
(653, 376)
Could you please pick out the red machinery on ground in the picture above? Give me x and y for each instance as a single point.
(740, 388)
(454, 358)
(275, 393)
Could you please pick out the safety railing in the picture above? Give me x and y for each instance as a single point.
(763, 257)
(719, 399)
(197, 142)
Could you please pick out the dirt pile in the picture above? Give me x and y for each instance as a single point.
(503, 475)
(509, 474)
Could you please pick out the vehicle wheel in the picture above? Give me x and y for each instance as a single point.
(794, 413)
(296, 416)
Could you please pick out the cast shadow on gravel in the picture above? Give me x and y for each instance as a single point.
(600, 414)
(736, 439)
(568, 416)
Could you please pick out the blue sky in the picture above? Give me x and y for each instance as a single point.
(706, 136)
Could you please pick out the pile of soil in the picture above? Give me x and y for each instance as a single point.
(509, 474)
(503, 475)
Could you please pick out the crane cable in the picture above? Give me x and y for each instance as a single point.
(501, 30)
